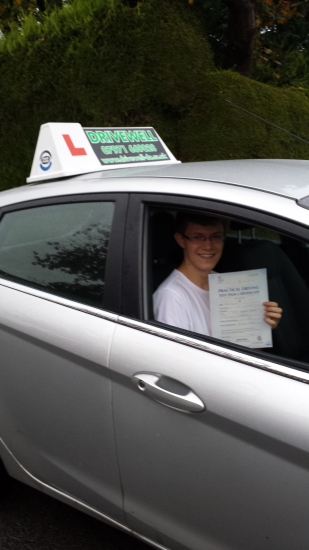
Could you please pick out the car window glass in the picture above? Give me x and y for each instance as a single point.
(245, 232)
(59, 248)
(247, 246)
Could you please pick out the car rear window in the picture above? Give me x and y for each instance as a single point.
(59, 248)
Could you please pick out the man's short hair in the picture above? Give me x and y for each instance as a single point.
(184, 218)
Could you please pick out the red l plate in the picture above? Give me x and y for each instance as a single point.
(75, 151)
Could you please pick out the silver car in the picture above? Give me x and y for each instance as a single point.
(182, 440)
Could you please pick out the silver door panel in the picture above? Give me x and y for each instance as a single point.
(233, 477)
(55, 397)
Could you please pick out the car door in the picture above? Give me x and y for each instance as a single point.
(212, 438)
(60, 264)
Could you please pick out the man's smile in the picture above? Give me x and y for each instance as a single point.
(202, 248)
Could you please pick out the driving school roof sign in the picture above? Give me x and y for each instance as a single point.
(67, 149)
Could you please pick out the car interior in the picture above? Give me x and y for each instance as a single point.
(248, 247)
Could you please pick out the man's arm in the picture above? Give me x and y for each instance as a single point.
(169, 308)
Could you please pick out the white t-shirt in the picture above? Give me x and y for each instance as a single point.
(179, 302)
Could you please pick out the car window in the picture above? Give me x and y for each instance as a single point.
(60, 248)
(247, 246)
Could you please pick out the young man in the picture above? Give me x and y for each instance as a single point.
(182, 300)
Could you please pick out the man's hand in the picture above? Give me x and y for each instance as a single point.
(273, 313)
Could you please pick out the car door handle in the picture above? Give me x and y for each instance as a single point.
(168, 391)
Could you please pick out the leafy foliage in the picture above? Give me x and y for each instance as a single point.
(214, 15)
(272, 12)
(284, 51)
(13, 12)
(282, 35)
(215, 129)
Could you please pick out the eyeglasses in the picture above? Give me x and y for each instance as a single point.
(199, 238)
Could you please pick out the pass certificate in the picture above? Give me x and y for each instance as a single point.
(236, 308)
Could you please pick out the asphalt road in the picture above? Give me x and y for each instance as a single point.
(30, 520)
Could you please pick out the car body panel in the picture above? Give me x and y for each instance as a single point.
(280, 177)
(191, 477)
(55, 397)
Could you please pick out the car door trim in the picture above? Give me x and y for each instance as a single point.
(203, 345)
(84, 308)
(167, 334)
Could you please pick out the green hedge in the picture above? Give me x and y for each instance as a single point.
(214, 129)
(102, 63)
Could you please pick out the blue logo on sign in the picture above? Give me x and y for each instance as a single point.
(45, 159)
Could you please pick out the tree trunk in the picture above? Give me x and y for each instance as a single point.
(241, 35)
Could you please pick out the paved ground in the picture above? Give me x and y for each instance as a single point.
(30, 520)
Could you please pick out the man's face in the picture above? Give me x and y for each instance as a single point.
(203, 254)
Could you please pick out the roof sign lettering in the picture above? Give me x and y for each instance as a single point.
(120, 136)
(127, 145)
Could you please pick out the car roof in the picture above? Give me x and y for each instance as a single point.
(284, 178)
(288, 178)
